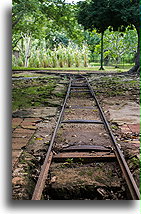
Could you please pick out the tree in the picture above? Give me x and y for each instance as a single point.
(35, 19)
(41, 18)
(94, 14)
(126, 13)
(118, 14)
(92, 39)
(118, 44)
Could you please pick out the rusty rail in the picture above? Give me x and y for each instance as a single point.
(134, 191)
(44, 171)
(121, 160)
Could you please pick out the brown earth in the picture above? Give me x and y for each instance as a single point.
(37, 132)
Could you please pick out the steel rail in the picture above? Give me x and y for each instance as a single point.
(45, 167)
(82, 121)
(134, 191)
(121, 160)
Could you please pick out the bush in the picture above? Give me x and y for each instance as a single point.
(61, 56)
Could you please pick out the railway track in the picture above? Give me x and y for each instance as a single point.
(104, 150)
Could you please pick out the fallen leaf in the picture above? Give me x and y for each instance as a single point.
(39, 138)
(53, 179)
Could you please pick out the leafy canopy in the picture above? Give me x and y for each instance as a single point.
(101, 14)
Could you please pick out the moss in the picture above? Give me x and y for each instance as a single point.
(33, 96)
(90, 173)
(59, 94)
(79, 182)
(134, 163)
(115, 127)
(69, 160)
(100, 179)
(111, 86)
(81, 173)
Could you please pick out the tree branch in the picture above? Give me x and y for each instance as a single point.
(16, 22)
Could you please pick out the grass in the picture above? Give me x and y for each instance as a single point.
(54, 69)
(27, 75)
(121, 68)
(39, 76)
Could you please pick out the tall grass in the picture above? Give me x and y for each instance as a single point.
(61, 56)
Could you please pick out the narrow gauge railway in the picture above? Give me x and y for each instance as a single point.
(83, 137)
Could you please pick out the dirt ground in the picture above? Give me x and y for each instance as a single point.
(118, 95)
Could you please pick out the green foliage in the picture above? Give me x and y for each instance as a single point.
(46, 32)
(118, 46)
(44, 19)
(91, 15)
(116, 14)
(61, 56)
(92, 39)
(101, 14)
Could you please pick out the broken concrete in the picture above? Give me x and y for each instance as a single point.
(42, 112)
(121, 111)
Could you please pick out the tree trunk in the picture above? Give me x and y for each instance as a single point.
(117, 62)
(101, 61)
(136, 67)
(14, 43)
(27, 48)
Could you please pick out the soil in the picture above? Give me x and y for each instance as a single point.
(119, 97)
(85, 114)
(80, 134)
(34, 124)
(82, 102)
(79, 180)
(97, 181)
(68, 180)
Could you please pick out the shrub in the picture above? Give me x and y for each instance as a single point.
(61, 56)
